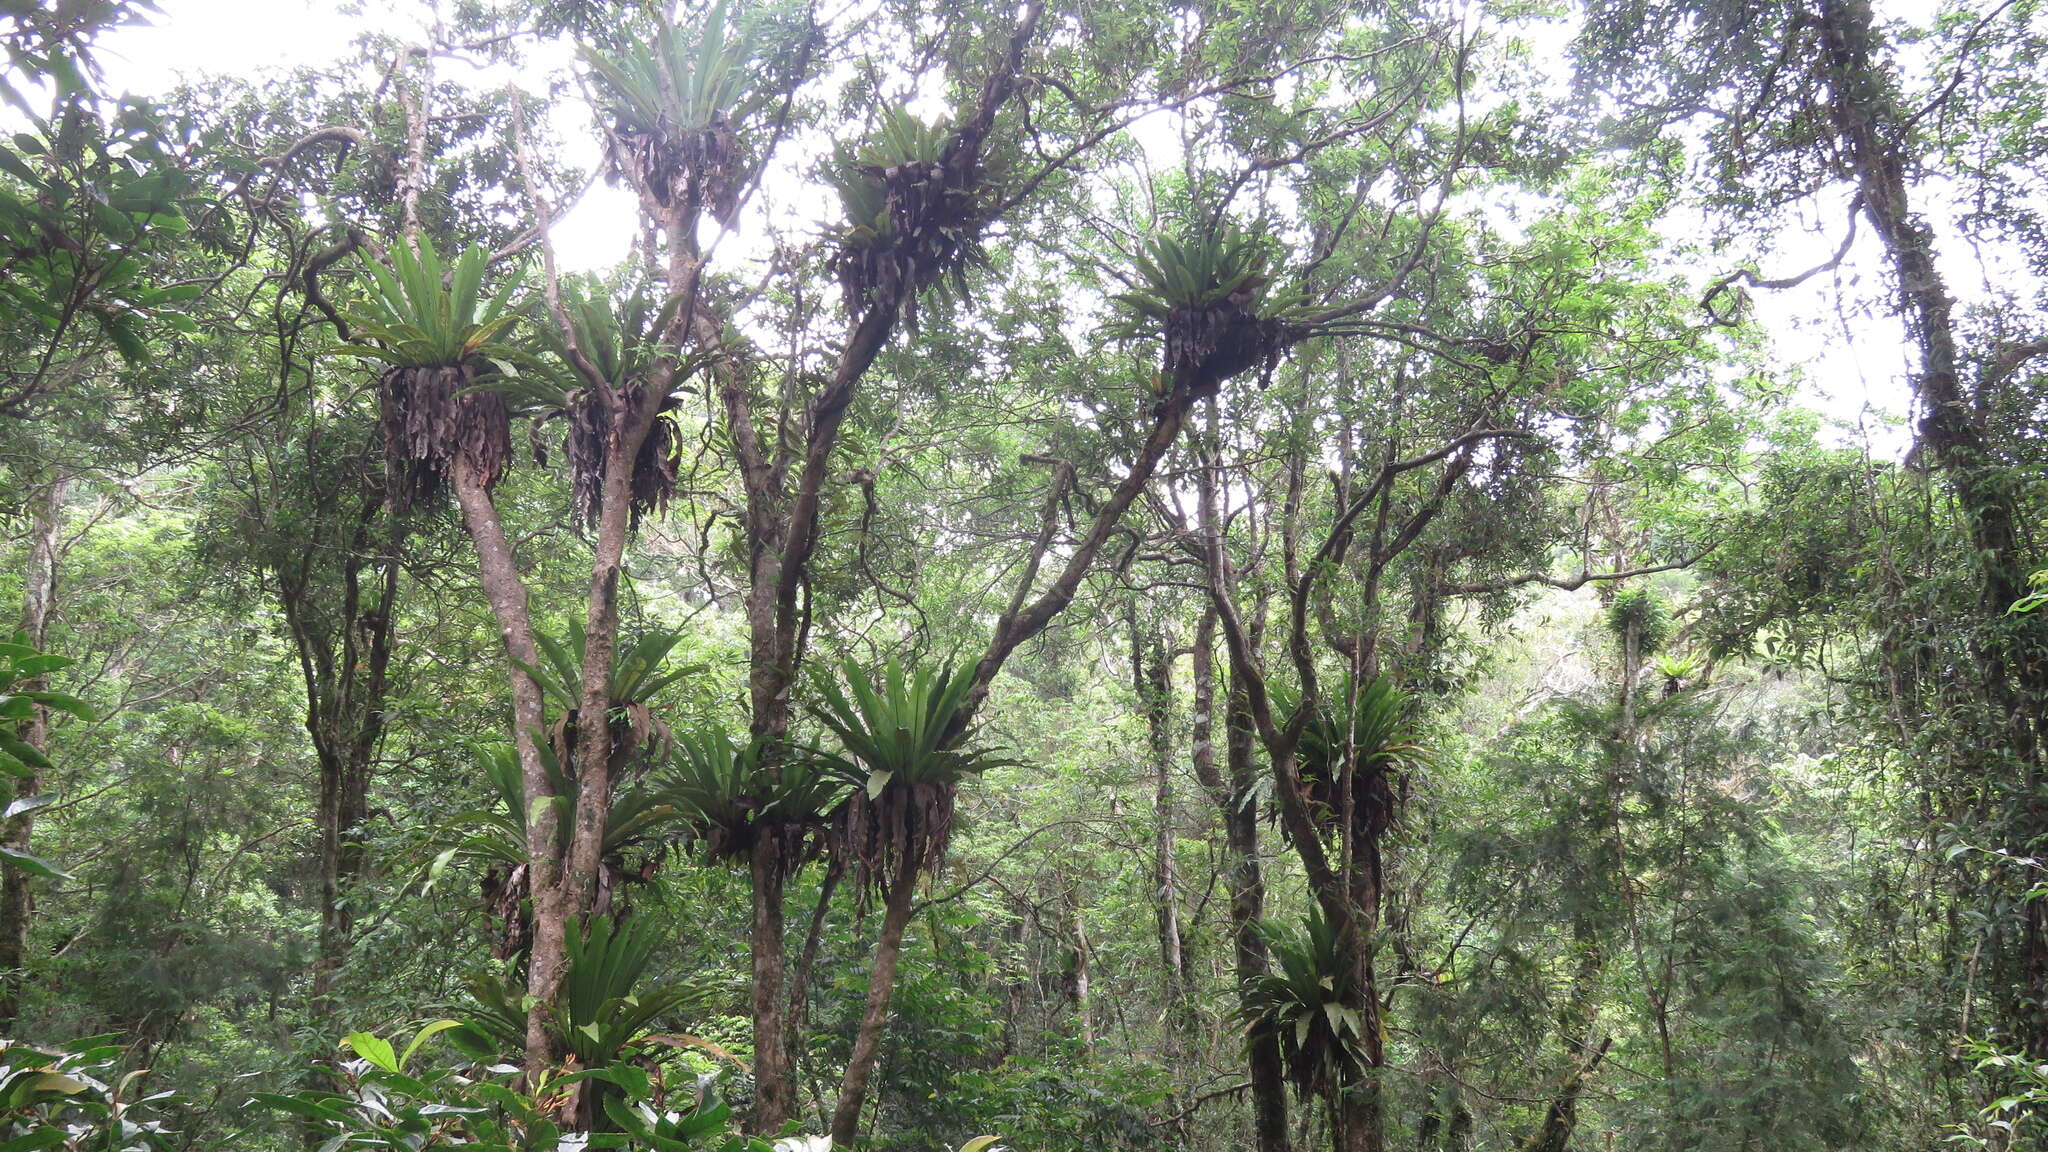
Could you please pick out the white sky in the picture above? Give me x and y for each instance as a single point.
(1853, 367)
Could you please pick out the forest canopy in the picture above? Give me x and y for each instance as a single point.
(1183, 575)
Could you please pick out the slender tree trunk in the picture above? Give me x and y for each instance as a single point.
(506, 592)
(345, 718)
(1236, 804)
(1152, 684)
(600, 747)
(1084, 1012)
(874, 1019)
(774, 1083)
(798, 994)
(1360, 1107)
(1873, 133)
(1582, 1051)
(39, 596)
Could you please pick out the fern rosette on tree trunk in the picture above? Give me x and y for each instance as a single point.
(435, 331)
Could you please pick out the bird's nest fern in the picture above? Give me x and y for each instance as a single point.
(1210, 296)
(439, 337)
(916, 199)
(676, 104)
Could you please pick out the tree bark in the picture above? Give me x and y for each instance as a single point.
(600, 745)
(39, 597)
(506, 592)
(1873, 143)
(1236, 804)
(346, 669)
(874, 1019)
(774, 1079)
(1152, 684)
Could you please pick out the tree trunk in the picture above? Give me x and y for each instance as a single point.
(774, 1084)
(1872, 134)
(1236, 805)
(1582, 1053)
(874, 1019)
(600, 747)
(38, 595)
(345, 686)
(1152, 684)
(798, 993)
(1360, 1112)
(506, 591)
(1561, 1117)
(1084, 1013)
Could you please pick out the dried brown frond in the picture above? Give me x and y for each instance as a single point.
(913, 821)
(433, 416)
(587, 444)
(697, 169)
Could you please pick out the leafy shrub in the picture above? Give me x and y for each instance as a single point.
(77, 1099)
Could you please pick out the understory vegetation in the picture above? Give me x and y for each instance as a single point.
(1181, 575)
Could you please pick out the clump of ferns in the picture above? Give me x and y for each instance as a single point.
(494, 839)
(732, 795)
(1680, 670)
(1308, 999)
(907, 750)
(1365, 731)
(1210, 296)
(438, 335)
(619, 342)
(640, 673)
(675, 106)
(613, 995)
(916, 198)
(1641, 613)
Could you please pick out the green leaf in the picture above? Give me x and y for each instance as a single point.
(33, 865)
(425, 1034)
(14, 166)
(372, 1048)
(23, 751)
(301, 1106)
(28, 804)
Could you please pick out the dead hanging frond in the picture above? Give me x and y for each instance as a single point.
(588, 444)
(1365, 733)
(1209, 297)
(893, 731)
(434, 416)
(915, 202)
(437, 334)
(676, 105)
(620, 341)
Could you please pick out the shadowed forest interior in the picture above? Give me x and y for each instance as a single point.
(935, 576)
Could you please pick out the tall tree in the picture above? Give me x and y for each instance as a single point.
(38, 604)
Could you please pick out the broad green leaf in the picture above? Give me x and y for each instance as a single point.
(372, 1048)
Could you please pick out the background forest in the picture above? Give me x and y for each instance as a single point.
(1181, 574)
